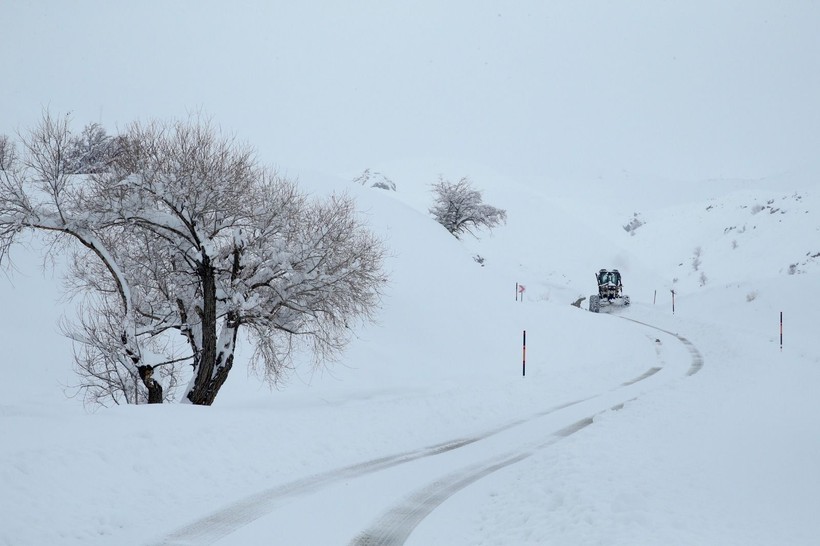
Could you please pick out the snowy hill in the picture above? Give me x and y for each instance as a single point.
(675, 142)
(722, 452)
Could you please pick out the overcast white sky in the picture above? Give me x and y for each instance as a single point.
(532, 88)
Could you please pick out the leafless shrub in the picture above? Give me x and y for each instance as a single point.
(696, 261)
(460, 208)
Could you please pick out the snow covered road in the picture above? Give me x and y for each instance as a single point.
(395, 493)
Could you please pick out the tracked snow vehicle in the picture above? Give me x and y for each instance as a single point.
(610, 291)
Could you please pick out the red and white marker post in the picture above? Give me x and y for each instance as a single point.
(519, 289)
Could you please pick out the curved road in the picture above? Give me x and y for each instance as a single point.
(394, 526)
(452, 466)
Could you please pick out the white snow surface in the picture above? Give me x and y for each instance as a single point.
(698, 123)
(708, 439)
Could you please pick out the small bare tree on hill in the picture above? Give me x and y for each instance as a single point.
(460, 208)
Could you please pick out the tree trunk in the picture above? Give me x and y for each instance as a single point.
(214, 362)
(154, 388)
(204, 373)
(212, 388)
(205, 391)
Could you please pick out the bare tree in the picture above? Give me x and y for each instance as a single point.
(460, 208)
(202, 241)
(92, 151)
(243, 249)
(8, 153)
(41, 195)
(102, 380)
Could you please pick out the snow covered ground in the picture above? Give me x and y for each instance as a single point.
(692, 428)
(695, 126)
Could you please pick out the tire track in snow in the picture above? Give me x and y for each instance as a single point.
(697, 357)
(648, 373)
(395, 526)
(225, 521)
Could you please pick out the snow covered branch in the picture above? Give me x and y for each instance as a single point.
(460, 208)
(188, 234)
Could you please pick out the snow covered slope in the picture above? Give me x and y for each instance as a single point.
(720, 454)
(676, 142)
